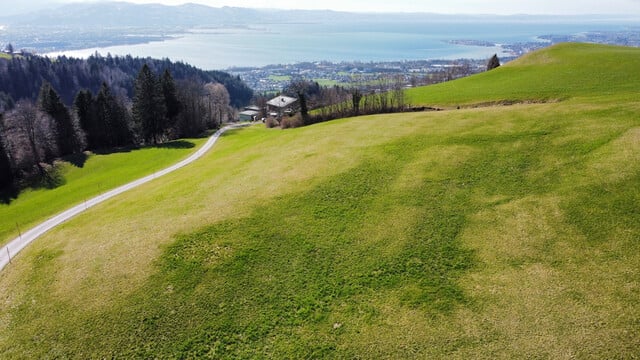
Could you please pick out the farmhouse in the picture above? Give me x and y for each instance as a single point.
(280, 105)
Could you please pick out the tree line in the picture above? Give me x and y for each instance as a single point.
(386, 94)
(323, 103)
(33, 134)
(21, 77)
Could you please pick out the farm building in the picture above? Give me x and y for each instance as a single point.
(250, 113)
(281, 105)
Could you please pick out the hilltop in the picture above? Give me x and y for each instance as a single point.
(491, 232)
(559, 72)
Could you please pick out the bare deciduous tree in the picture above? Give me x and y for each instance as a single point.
(219, 101)
(30, 136)
(6, 171)
(192, 120)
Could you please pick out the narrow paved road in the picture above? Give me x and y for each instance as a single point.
(16, 245)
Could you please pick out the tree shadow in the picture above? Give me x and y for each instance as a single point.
(53, 178)
(205, 134)
(77, 160)
(48, 177)
(231, 132)
(118, 150)
(7, 195)
(176, 144)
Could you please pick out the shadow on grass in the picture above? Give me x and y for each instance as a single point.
(52, 178)
(118, 150)
(177, 144)
(7, 195)
(77, 160)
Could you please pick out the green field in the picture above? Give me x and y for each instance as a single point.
(560, 72)
(491, 232)
(95, 175)
(279, 77)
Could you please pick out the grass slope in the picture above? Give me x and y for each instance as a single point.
(501, 232)
(559, 72)
(98, 174)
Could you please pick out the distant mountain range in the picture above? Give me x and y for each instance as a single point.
(123, 14)
(104, 24)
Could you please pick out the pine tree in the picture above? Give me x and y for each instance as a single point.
(149, 111)
(493, 63)
(68, 137)
(356, 97)
(304, 111)
(170, 94)
(84, 109)
(114, 119)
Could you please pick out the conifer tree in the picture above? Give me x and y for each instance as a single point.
(149, 111)
(68, 138)
(170, 94)
(356, 97)
(304, 111)
(113, 117)
(84, 109)
(493, 63)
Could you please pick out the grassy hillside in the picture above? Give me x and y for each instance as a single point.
(95, 175)
(560, 72)
(499, 232)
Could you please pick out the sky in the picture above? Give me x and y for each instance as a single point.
(502, 7)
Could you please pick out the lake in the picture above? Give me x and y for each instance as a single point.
(264, 44)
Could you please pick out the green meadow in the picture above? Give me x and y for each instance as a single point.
(485, 232)
(280, 77)
(557, 73)
(84, 178)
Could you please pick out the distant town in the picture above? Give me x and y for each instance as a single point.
(273, 78)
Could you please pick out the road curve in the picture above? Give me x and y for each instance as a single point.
(9, 251)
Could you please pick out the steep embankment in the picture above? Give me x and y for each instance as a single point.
(500, 232)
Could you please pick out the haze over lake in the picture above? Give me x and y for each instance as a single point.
(264, 44)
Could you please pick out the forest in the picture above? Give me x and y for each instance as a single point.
(61, 108)
(22, 76)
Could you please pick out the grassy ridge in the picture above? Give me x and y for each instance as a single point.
(96, 175)
(560, 72)
(502, 232)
